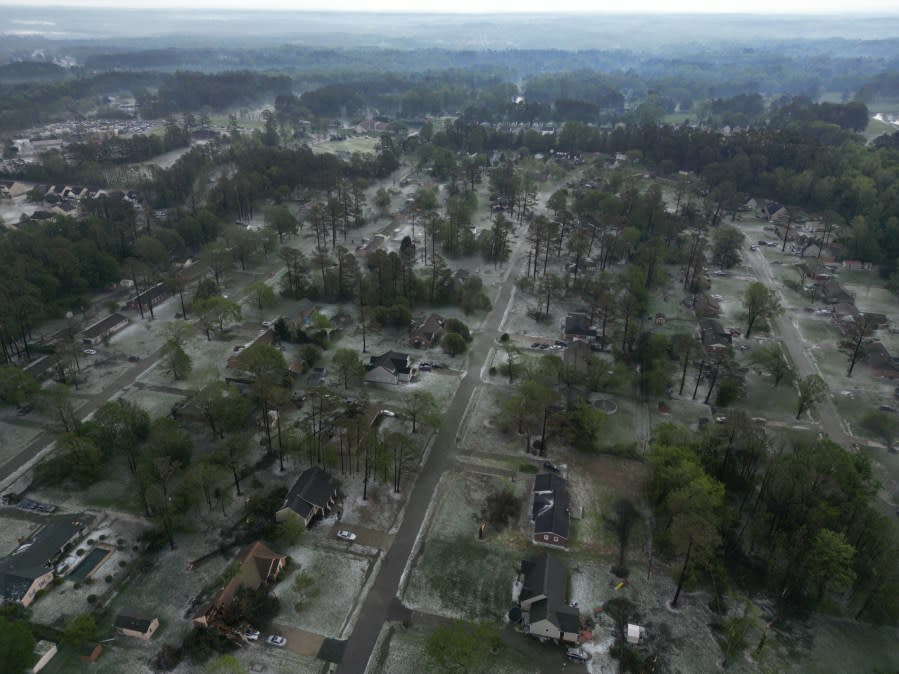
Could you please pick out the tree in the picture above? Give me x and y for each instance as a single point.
(82, 457)
(269, 368)
(830, 562)
(224, 408)
(726, 242)
(80, 630)
(17, 387)
(882, 425)
(463, 646)
(216, 310)
(457, 326)
(121, 425)
(225, 664)
(16, 646)
(177, 363)
(281, 220)
(772, 360)
(349, 368)
(232, 454)
(422, 406)
(453, 343)
(382, 200)
(859, 330)
(759, 303)
(812, 390)
(262, 295)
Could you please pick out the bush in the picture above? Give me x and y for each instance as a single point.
(458, 327)
(504, 337)
(454, 344)
(122, 563)
(91, 599)
(492, 371)
(527, 468)
(502, 506)
(108, 578)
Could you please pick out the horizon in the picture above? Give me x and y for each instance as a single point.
(797, 8)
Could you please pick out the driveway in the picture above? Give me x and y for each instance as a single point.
(299, 641)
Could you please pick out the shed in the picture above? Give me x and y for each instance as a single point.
(139, 628)
(44, 651)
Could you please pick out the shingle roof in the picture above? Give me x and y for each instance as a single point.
(313, 489)
(551, 505)
(394, 361)
(127, 622)
(34, 558)
(546, 575)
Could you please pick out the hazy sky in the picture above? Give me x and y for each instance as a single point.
(464, 6)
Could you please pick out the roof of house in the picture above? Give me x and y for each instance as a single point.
(393, 361)
(313, 489)
(429, 328)
(127, 622)
(878, 357)
(258, 563)
(34, 558)
(102, 326)
(579, 324)
(152, 293)
(551, 510)
(833, 290)
(547, 576)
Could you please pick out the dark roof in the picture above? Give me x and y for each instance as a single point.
(551, 505)
(394, 361)
(579, 324)
(102, 327)
(150, 294)
(313, 489)
(547, 575)
(34, 558)
(127, 622)
(430, 328)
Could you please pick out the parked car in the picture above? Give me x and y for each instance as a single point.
(387, 413)
(276, 640)
(438, 366)
(250, 634)
(90, 352)
(346, 535)
(577, 654)
(753, 247)
(549, 465)
(424, 367)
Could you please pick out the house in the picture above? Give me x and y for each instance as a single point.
(317, 376)
(90, 652)
(428, 332)
(12, 188)
(303, 317)
(257, 564)
(880, 360)
(265, 336)
(660, 319)
(577, 327)
(770, 209)
(139, 628)
(392, 367)
(44, 652)
(857, 265)
(844, 314)
(544, 607)
(102, 329)
(311, 496)
(29, 568)
(705, 306)
(712, 334)
(550, 511)
(150, 297)
(833, 292)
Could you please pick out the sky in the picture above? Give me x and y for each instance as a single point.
(503, 6)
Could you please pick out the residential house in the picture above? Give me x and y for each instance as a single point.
(265, 336)
(29, 568)
(544, 607)
(857, 265)
(705, 306)
(139, 628)
(151, 297)
(257, 565)
(550, 511)
(880, 360)
(44, 652)
(392, 367)
(97, 332)
(833, 292)
(844, 314)
(317, 376)
(712, 334)
(302, 318)
(578, 327)
(12, 188)
(312, 495)
(428, 332)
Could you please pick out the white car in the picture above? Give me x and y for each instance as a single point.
(276, 640)
(90, 352)
(267, 324)
(251, 635)
(578, 654)
(346, 535)
(387, 413)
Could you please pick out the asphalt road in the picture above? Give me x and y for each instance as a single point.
(375, 609)
(825, 411)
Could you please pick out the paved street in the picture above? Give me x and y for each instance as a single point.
(826, 413)
(376, 608)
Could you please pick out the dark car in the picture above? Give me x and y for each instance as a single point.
(549, 465)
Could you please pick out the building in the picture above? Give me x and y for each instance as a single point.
(392, 367)
(44, 652)
(577, 327)
(544, 607)
(312, 495)
(713, 335)
(428, 332)
(29, 568)
(550, 511)
(257, 565)
(94, 334)
(139, 628)
(151, 297)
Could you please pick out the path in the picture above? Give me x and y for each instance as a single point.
(376, 608)
(826, 412)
